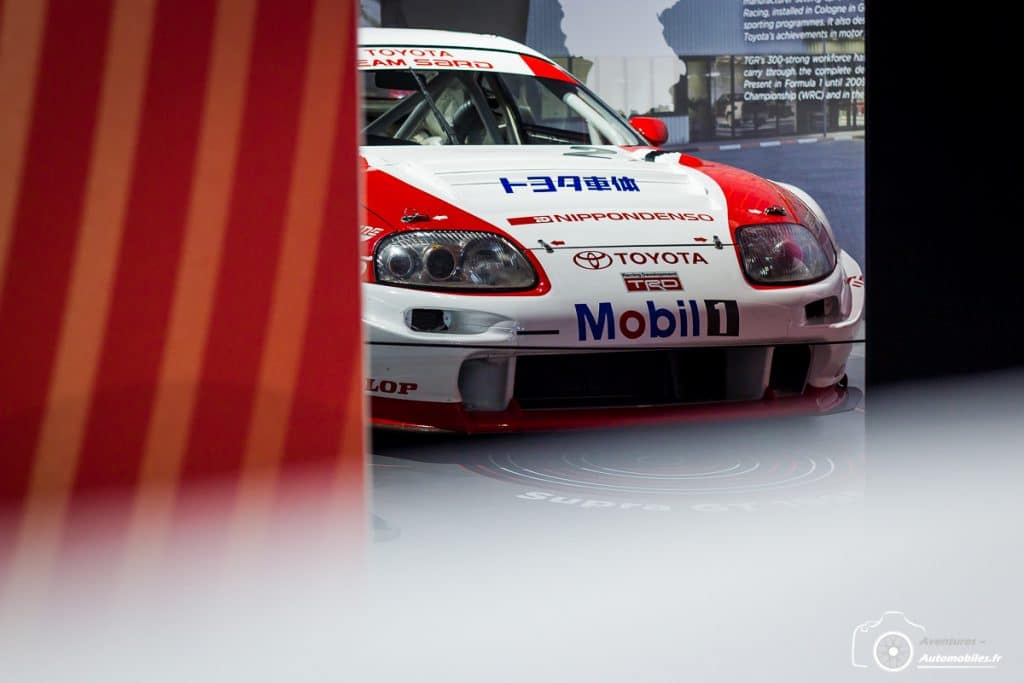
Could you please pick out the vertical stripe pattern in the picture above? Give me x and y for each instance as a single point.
(330, 387)
(252, 242)
(81, 335)
(21, 33)
(179, 374)
(47, 216)
(177, 253)
(303, 225)
(151, 247)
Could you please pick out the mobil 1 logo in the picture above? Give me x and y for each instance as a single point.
(688, 318)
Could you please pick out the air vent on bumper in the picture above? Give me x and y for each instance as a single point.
(790, 365)
(639, 378)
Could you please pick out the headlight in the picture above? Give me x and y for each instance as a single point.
(452, 259)
(785, 253)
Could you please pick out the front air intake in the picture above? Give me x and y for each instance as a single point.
(427, 320)
(790, 365)
(635, 378)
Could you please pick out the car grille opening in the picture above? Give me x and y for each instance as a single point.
(427, 320)
(624, 378)
(823, 311)
(789, 369)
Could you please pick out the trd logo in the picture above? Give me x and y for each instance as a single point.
(723, 320)
(388, 386)
(652, 282)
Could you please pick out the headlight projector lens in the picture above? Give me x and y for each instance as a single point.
(401, 262)
(440, 262)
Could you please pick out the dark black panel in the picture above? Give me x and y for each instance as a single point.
(789, 369)
(621, 379)
(944, 269)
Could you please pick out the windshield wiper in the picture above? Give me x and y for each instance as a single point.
(449, 131)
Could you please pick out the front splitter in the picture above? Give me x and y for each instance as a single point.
(426, 416)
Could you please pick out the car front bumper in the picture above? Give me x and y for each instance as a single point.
(507, 362)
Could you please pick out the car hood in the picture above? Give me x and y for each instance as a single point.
(530, 193)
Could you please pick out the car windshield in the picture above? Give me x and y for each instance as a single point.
(402, 106)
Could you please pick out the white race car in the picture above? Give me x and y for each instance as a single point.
(531, 259)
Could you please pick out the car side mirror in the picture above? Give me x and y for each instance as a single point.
(651, 128)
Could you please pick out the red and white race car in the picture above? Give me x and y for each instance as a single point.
(532, 260)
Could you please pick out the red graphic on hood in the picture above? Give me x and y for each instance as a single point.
(389, 198)
(744, 190)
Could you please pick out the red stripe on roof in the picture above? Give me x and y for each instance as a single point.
(545, 69)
